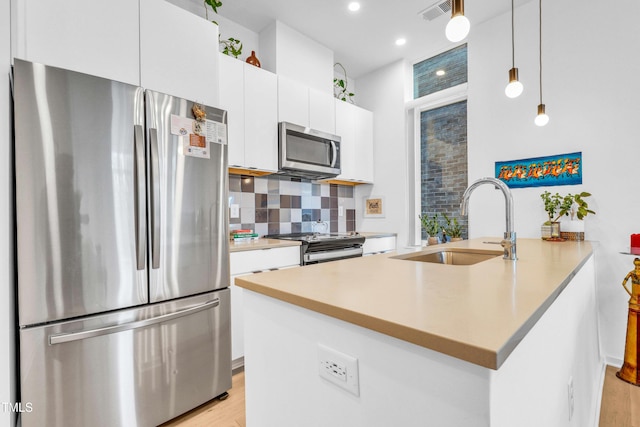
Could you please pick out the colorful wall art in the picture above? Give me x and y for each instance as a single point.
(561, 169)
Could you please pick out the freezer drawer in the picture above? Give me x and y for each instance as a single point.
(137, 367)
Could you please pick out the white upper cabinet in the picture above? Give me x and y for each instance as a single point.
(293, 102)
(232, 100)
(250, 96)
(97, 38)
(322, 111)
(261, 119)
(178, 52)
(305, 106)
(355, 126)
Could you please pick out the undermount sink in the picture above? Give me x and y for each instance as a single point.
(452, 256)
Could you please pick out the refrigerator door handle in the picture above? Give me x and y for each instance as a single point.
(139, 190)
(91, 333)
(155, 199)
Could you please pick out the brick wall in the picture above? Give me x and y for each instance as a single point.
(444, 161)
(453, 62)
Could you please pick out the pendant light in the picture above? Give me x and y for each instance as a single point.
(458, 27)
(514, 88)
(542, 118)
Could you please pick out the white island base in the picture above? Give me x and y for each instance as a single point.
(403, 384)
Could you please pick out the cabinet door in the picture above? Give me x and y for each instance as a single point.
(293, 102)
(364, 144)
(178, 52)
(260, 118)
(97, 38)
(322, 111)
(345, 116)
(232, 100)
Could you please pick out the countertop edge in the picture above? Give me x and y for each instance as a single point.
(258, 244)
(504, 352)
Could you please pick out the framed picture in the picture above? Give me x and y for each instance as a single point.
(374, 207)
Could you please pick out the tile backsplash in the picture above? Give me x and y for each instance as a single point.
(278, 204)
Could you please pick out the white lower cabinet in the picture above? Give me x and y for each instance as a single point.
(379, 245)
(251, 262)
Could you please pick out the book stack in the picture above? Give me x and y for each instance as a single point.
(244, 235)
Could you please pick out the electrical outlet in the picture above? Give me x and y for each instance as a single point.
(340, 210)
(234, 211)
(570, 397)
(339, 368)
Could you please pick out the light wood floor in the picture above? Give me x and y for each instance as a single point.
(620, 406)
(620, 402)
(217, 413)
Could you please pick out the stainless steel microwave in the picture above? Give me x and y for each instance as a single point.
(307, 153)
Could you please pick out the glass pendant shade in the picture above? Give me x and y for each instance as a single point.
(542, 118)
(514, 88)
(458, 27)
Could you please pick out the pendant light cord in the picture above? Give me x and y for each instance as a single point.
(513, 43)
(540, 32)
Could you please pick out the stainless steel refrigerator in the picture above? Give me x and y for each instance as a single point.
(122, 251)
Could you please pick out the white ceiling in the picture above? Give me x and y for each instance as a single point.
(365, 40)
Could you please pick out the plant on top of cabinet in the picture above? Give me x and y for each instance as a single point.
(340, 86)
(214, 5)
(232, 47)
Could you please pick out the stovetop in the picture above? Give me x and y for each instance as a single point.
(316, 237)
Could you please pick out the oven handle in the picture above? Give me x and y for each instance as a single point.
(323, 256)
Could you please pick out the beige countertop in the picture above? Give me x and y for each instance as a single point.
(261, 243)
(477, 313)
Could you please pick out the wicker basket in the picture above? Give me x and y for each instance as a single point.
(577, 236)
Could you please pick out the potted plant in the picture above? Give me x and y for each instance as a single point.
(340, 86)
(557, 206)
(431, 226)
(453, 228)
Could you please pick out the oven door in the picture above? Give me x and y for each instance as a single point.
(331, 255)
(308, 151)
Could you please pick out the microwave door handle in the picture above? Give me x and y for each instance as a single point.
(334, 154)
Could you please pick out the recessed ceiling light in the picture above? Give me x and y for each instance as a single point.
(440, 73)
(354, 6)
(401, 42)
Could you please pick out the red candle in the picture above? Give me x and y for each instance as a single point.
(635, 240)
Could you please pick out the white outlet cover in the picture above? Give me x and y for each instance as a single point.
(339, 368)
(234, 211)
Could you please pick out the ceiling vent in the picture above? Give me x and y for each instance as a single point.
(436, 10)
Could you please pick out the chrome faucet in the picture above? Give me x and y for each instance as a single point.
(509, 241)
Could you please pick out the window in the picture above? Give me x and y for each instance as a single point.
(441, 140)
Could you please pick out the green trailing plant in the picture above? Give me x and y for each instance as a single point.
(232, 47)
(214, 5)
(557, 206)
(431, 225)
(341, 90)
(453, 228)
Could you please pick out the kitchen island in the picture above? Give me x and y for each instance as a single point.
(496, 343)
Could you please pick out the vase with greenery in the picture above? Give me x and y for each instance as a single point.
(341, 86)
(431, 226)
(452, 228)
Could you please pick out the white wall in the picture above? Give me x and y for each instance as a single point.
(590, 88)
(7, 322)
(383, 92)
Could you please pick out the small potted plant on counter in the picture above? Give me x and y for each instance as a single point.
(453, 228)
(557, 206)
(431, 226)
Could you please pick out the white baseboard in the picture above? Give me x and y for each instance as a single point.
(613, 361)
(237, 365)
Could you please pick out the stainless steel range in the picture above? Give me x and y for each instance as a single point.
(319, 247)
